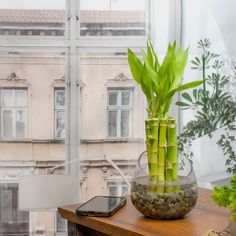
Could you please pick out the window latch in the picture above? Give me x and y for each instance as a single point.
(68, 17)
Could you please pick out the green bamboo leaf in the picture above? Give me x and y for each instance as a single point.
(150, 74)
(189, 85)
(179, 74)
(187, 97)
(136, 66)
(149, 55)
(157, 64)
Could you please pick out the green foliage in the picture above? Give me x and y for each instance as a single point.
(213, 105)
(159, 82)
(225, 196)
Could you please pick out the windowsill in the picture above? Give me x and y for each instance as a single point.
(82, 141)
(113, 140)
(32, 141)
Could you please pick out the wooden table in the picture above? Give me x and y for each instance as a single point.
(129, 222)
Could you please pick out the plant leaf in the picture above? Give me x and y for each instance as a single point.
(136, 66)
(187, 97)
(189, 85)
(182, 104)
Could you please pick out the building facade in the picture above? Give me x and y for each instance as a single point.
(34, 99)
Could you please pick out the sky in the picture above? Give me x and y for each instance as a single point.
(85, 4)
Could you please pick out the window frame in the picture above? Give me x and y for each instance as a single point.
(119, 108)
(56, 109)
(14, 110)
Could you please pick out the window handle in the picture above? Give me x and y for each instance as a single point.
(68, 17)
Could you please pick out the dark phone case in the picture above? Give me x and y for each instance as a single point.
(101, 213)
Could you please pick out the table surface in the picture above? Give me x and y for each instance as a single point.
(128, 221)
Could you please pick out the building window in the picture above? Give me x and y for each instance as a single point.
(59, 105)
(117, 188)
(10, 217)
(13, 113)
(61, 224)
(119, 113)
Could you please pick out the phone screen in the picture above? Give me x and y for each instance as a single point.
(101, 206)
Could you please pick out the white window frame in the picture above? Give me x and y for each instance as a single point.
(14, 110)
(56, 109)
(118, 108)
(72, 44)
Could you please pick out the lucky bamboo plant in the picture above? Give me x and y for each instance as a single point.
(159, 82)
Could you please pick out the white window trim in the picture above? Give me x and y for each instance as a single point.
(14, 109)
(119, 107)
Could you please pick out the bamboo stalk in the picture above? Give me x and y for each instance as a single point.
(152, 127)
(171, 157)
(162, 149)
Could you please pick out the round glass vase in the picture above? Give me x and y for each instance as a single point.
(164, 199)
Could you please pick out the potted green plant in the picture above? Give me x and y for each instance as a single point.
(161, 185)
(215, 114)
(225, 196)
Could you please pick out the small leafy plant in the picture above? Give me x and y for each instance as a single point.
(159, 82)
(213, 105)
(225, 196)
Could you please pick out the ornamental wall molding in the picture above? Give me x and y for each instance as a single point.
(13, 80)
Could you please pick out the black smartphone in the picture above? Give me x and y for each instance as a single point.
(104, 206)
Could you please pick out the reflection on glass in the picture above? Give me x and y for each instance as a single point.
(112, 18)
(28, 80)
(7, 98)
(60, 98)
(125, 100)
(113, 98)
(12, 221)
(21, 98)
(20, 124)
(32, 18)
(60, 124)
(124, 123)
(112, 123)
(7, 124)
(117, 188)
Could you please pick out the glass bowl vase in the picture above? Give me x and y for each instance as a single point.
(164, 199)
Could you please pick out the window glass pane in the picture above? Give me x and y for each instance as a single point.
(6, 206)
(7, 98)
(12, 221)
(212, 20)
(125, 98)
(103, 73)
(20, 124)
(60, 124)
(112, 123)
(61, 223)
(27, 17)
(125, 123)
(113, 98)
(60, 98)
(113, 191)
(112, 18)
(125, 190)
(7, 124)
(32, 76)
(21, 97)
